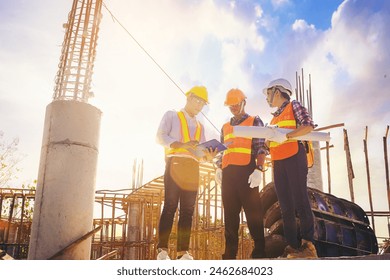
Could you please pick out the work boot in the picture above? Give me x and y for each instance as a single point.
(258, 254)
(162, 254)
(229, 256)
(306, 251)
(288, 250)
(258, 251)
(186, 256)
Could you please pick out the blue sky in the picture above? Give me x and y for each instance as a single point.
(318, 13)
(343, 45)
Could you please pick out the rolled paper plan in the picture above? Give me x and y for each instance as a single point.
(268, 132)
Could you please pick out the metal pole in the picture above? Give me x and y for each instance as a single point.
(101, 230)
(328, 167)
(351, 175)
(297, 83)
(303, 90)
(300, 91)
(112, 238)
(74, 243)
(387, 169)
(368, 178)
(310, 98)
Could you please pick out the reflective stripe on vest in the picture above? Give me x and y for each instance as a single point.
(185, 137)
(288, 148)
(239, 149)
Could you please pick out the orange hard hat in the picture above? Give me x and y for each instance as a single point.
(234, 96)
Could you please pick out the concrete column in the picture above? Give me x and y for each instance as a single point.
(65, 192)
(314, 178)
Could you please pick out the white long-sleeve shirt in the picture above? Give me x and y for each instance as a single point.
(169, 129)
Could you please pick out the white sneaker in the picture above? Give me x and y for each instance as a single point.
(162, 254)
(186, 256)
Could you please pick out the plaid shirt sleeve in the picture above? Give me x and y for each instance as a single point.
(301, 114)
(258, 144)
(218, 159)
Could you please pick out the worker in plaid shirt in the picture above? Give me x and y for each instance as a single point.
(290, 168)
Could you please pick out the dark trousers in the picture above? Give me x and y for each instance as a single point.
(290, 177)
(236, 194)
(181, 182)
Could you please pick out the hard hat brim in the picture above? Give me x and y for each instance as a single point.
(266, 89)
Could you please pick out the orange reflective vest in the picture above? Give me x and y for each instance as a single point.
(185, 137)
(239, 149)
(288, 148)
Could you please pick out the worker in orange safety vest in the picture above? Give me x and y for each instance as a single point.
(290, 168)
(240, 174)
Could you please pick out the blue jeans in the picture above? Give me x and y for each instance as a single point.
(181, 182)
(290, 177)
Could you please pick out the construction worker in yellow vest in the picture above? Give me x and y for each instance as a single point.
(178, 132)
(240, 174)
(290, 169)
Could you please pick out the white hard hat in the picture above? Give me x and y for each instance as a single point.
(281, 83)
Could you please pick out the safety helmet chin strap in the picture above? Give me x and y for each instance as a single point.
(242, 106)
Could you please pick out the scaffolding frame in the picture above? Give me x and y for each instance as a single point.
(134, 236)
(15, 220)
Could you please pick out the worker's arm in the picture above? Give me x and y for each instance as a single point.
(304, 121)
(302, 130)
(260, 145)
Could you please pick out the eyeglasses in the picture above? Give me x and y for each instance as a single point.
(198, 101)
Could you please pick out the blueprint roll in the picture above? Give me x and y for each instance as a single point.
(268, 133)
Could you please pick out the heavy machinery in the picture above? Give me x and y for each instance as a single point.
(342, 228)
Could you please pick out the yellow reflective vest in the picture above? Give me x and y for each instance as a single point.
(185, 137)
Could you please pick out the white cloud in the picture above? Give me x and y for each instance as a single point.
(301, 25)
(258, 11)
(279, 3)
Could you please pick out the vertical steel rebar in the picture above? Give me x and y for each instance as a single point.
(300, 90)
(297, 83)
(112, 223)
(74, 76)
(303, 89)
(20, 230)
(11, 213)
(310, 98)
(387, 171)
